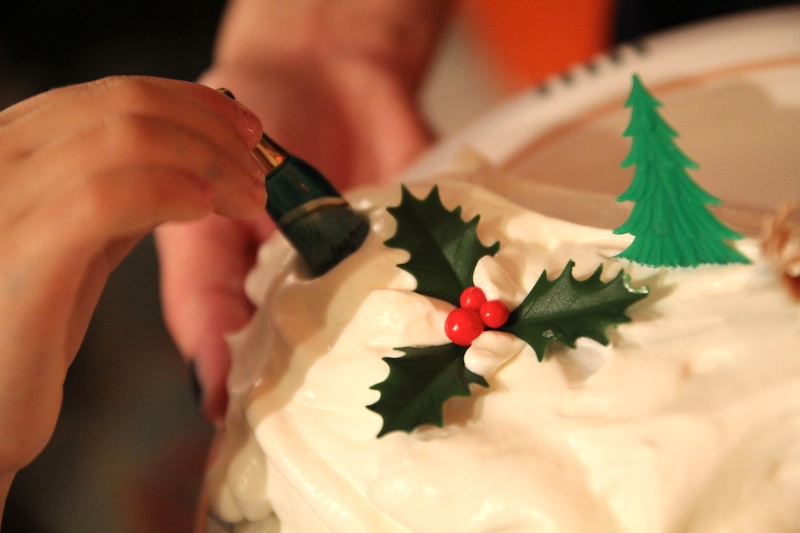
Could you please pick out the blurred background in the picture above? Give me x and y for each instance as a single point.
(128, 452)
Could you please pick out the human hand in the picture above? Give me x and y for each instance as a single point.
(87, 170)
(335, 83)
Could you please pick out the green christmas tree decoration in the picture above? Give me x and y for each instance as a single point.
(670, 220)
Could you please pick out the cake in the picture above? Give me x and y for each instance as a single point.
(501, 356)
(688, 419)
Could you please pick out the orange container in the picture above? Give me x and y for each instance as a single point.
(532, 39)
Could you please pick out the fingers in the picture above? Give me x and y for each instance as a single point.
(127, 201)
(191, 105)
(122, 172)
(86, 171)
(138, 141)
(46, 251)
(203, 265)
(96, 127)
(100, 175)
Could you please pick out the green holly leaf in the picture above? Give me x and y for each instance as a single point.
(419, 383)
(565, 308)
(444, 249)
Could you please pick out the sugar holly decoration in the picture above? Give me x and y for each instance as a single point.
(670, 221)
(464, 324)
(494, 314)
(444, 251)
(419, 383)
(472, 298)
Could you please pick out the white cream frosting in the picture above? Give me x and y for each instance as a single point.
(689, 421)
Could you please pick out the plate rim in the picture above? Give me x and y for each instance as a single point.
(760, 37)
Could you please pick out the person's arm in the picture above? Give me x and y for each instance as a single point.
(85, 172)
(335, 82)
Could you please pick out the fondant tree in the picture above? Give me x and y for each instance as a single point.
(670, 220)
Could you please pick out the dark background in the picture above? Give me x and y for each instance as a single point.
(119, 461)
(48, 43)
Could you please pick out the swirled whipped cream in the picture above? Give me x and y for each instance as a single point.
(688, 421)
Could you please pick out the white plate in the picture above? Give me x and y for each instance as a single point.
(730, 87)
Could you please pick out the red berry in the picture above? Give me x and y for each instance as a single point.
(494, 313)
(463, 326)
(472, 298)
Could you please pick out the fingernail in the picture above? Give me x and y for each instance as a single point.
(248, 119)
